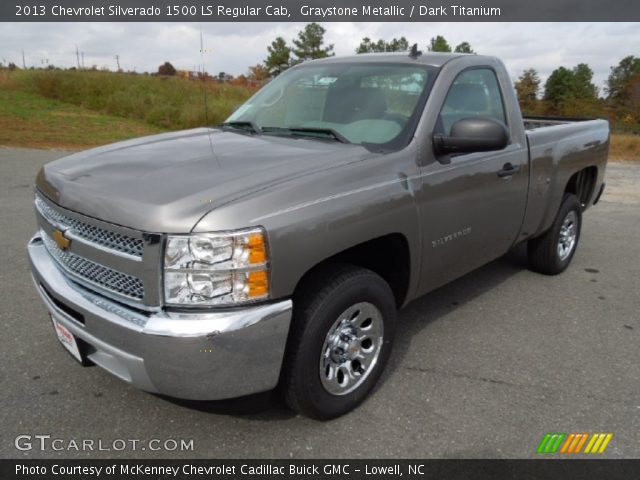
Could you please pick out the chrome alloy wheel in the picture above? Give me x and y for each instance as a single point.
(568, 234)
(351, 348)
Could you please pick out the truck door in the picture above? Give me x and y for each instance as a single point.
(471, 209)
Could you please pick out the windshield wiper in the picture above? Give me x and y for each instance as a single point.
(245, 125)
(311, 132)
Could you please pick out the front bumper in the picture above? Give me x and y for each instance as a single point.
(198, 356)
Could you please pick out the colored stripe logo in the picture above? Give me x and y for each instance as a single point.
(574, 443)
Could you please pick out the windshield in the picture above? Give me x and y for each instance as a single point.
(371, 104)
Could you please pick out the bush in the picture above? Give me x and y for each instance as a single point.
(166, 69)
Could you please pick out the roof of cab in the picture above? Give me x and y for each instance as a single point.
(435, 59)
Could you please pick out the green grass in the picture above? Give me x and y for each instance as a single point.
(164, 102)
(78, 109)
(29, 120)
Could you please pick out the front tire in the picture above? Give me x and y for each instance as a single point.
(342, 332)
(552, 252)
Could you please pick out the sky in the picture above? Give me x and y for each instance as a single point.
(233, 47)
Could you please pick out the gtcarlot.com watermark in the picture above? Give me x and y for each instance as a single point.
(46, 442)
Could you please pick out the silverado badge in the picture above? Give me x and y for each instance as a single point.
(62, 241)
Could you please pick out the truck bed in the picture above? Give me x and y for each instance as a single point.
(558, 148)
(535, 122)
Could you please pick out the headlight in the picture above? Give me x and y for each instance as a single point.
(216, 268)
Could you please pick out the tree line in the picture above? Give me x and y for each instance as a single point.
(571, 92)
(568, 91)
(436, 44)
(309, 45)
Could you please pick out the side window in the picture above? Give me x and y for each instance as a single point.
(474, 93)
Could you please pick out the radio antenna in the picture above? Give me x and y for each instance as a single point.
(204, 78)
(204, 91)
(415, 53)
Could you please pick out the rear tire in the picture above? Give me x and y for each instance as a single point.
(552, 252)
(340, 340)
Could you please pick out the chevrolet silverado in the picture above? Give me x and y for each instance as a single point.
(275, 249)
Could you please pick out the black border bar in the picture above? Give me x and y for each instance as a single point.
(319, 11)
(547, 468)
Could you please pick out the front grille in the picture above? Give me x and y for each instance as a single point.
(94, 273)
(99, 236)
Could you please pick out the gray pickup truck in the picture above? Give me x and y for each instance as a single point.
(274, 250)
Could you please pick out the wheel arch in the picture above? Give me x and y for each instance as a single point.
(583, 184)
(387, 256)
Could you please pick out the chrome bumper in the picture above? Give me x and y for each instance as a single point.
(198, 356)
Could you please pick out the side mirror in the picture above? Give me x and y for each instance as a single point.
(472, 135)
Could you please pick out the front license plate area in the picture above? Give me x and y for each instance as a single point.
(68, 340)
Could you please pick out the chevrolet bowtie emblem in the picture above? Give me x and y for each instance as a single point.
(62, 241)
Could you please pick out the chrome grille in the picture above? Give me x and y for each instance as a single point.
(96, 235)
(94, 273)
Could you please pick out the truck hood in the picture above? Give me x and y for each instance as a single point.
(167, 182)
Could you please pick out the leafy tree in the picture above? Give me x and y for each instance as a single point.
(398, 45)
(224, 77)
(279, 56)
(464, 47)
(258, 73)
(571, 92)
(583, 86)
(368, 46)
(527, 87)
(310, 43)
(558, 88)
(395, 45)
(439, 44)
(620, 79)
(240, 80)
(166, 69)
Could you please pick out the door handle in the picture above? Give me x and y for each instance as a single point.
(508, 169)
